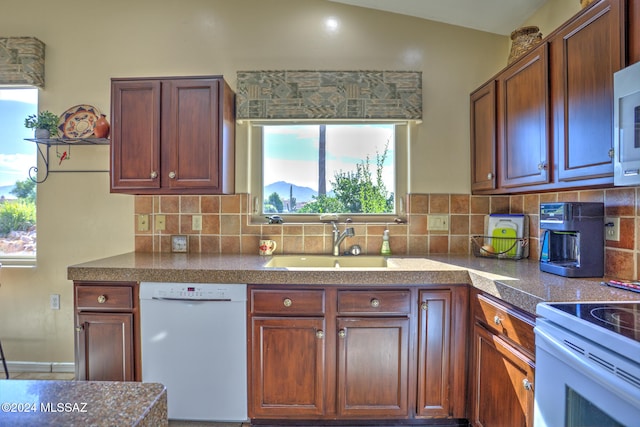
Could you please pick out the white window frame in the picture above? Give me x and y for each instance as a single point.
(25, 260)
(404, 130)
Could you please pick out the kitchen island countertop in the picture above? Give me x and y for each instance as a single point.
(82, 403)
(518, 282)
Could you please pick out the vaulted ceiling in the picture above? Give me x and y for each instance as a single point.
(494, 16)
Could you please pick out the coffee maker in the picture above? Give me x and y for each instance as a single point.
(572, 240)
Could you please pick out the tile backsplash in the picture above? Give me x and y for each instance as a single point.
(226, 225)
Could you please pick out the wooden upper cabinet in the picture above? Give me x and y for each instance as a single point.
(135, 135)
(172, 136)
(584, 55)
(483, 138)
(523, 117)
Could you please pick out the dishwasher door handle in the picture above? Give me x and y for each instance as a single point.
(192, 299)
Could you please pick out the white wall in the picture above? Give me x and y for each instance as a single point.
(88, 43)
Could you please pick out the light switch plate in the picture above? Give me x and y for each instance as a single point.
(196, 222)
(143, 222)
(438, 222)
(612, 232)
(161, 222)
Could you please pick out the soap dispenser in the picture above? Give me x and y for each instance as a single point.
(386, 249)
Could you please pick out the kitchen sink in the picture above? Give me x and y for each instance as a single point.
(326, 261)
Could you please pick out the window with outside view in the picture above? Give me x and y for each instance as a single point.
(332, 168)
(17, 190)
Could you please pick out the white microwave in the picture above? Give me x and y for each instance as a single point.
(626, 125)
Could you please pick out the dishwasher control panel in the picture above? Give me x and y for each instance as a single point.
(193, 291)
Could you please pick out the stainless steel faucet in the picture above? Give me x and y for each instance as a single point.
(338, 237)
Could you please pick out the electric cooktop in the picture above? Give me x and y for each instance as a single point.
(620, 318)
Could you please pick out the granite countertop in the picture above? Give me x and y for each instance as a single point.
(518, 282)
(82, 403)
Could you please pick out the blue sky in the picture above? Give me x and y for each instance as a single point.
(291, 152)
(16, 154)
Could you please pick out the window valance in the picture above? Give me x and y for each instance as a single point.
(329, 95)
(21, 61)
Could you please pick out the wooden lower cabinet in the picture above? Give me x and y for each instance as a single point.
(502, 365)
(288, 367)
(502, 381)
(331, 353)
(107, 325)
(442, 335)
(373, 367)
(105, 347)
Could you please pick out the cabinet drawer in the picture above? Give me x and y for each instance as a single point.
(506, 321)
(104, 297)
(287, 301)
(374, 302)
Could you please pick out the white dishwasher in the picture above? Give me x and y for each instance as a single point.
(194, 342)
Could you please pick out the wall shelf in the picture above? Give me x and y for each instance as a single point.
(44, 146)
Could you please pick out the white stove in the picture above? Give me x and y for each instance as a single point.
(587, 364)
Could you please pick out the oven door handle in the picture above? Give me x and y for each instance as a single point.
(587, 364)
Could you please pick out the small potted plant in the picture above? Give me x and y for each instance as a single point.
(45, 123)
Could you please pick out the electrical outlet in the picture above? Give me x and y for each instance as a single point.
(143, 222)
(54, 301)
(612, 229)
(438, 222)
(196, 222)
(161, 223)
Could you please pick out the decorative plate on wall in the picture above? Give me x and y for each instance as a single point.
(78, 121)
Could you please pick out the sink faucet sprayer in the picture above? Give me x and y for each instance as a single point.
(338, 238)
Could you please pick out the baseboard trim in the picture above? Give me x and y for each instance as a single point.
(17, 366)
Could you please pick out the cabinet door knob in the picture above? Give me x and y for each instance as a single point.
(153, 175)
(102, 299)
(79, 328)
(287, 302)
(320, 334)
(342, 333)
(375, 303)
(611, 153)
(490, 175)
(542, 166)
(497, 320)
(424, 305)
(172, 174)
(527, 384)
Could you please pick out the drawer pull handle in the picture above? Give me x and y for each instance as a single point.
(497, 320)
(287, 302)
(424, 306)
(102, 299)
(375, 303)
(320, 334)
(342, 333)
(527, 384)
(172, 174)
